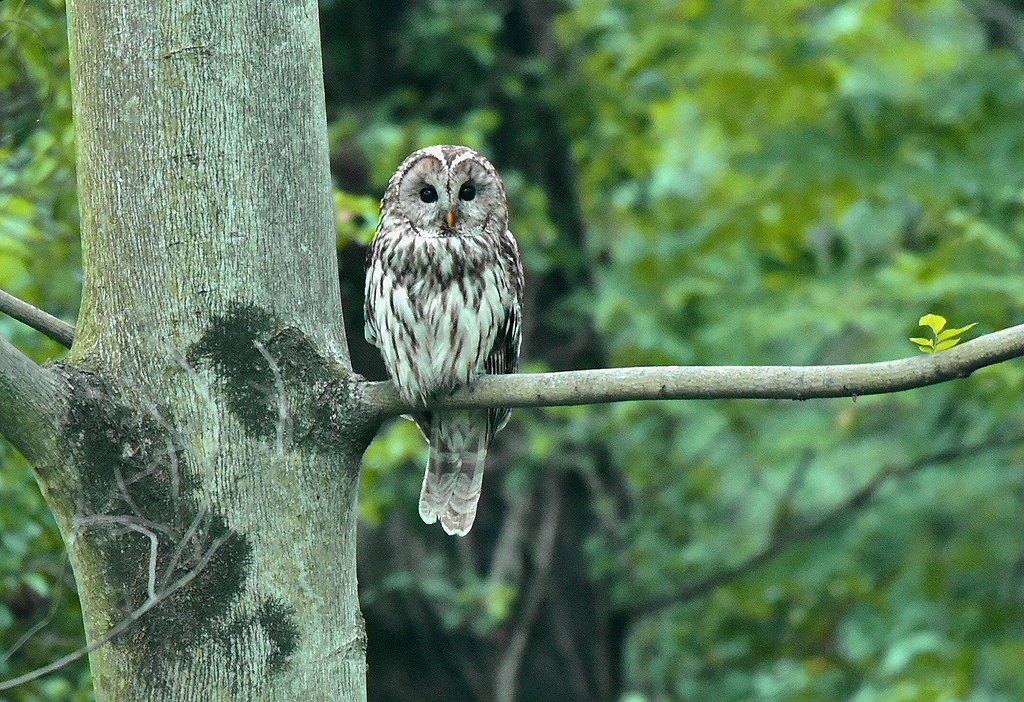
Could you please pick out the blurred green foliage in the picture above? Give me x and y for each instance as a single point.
(692, 183)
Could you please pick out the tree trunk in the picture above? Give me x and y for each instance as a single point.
(205, 467)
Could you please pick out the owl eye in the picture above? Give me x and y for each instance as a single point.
(467, 192)
(428, 194)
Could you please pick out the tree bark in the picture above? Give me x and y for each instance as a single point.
(210, 435)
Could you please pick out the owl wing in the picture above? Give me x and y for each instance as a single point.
(373, 287)
(504, 355)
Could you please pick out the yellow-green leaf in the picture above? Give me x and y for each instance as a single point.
(920, 341)
(936, 322)
(955, 332)
(947, 344)
(926, 349)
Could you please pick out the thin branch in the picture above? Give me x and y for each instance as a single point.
(565, 638)
(781, 543)
(506, 677)
(43, 322)
(506, 559)
(716, 382)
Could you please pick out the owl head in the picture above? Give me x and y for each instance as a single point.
(446, 191)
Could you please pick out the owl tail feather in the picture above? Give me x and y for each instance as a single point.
(455, 471)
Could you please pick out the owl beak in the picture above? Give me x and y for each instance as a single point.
(451, 218)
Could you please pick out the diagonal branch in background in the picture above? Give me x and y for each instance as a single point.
(509, 668)
(43, 322)
(849, 507)
(717, 382)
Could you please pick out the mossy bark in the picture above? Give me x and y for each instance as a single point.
(209, 428)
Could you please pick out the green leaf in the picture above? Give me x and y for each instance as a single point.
(947, 344)
(955, 332)
(936, 322)
(921, 341)
(926, 349)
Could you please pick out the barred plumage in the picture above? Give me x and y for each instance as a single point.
(444, 287)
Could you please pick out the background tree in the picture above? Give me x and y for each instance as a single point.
(694, 183)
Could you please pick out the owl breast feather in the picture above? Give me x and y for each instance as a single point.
(437, 305)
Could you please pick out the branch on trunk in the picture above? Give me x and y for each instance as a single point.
(43, 322)
(30, 401)
(848, 508)
(716, 382)
(664, 382)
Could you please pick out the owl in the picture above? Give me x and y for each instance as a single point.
(444, 289)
